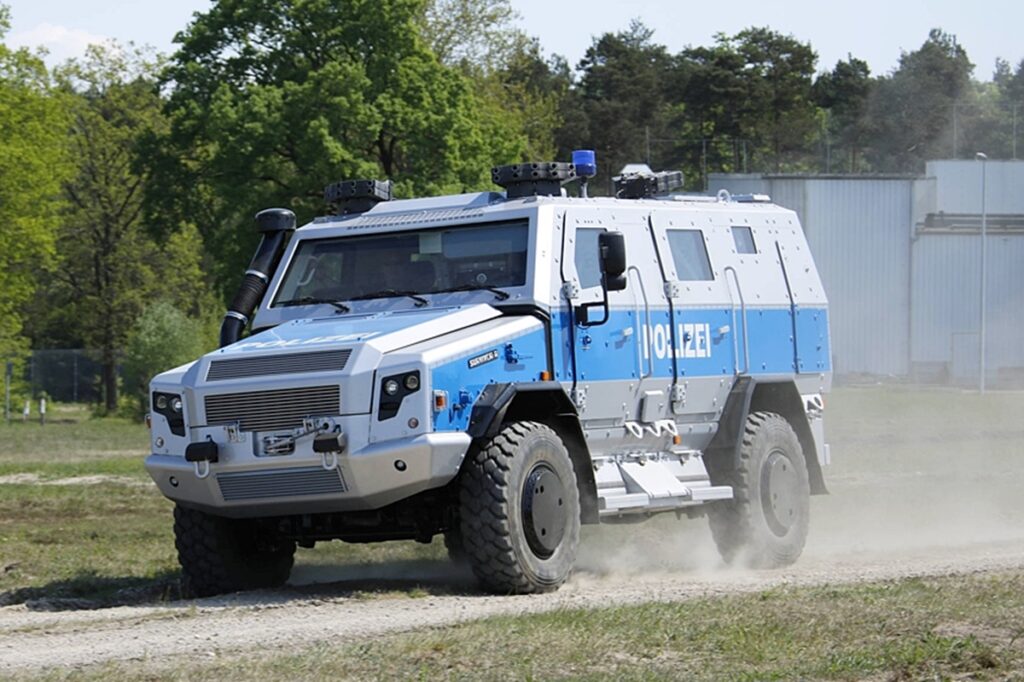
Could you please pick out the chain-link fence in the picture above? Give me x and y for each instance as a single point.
(62, 375)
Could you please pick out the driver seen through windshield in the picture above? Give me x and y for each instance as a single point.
(417, 262)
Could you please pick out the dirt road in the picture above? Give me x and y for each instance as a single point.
(342, 610)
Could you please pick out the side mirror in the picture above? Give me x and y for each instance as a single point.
(612, 246)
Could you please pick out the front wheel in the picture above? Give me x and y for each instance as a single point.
(520, 510)
(765, 524)
(219, 555)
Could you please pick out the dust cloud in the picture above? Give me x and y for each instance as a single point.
(916, 473)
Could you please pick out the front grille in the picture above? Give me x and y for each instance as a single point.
(272, 410)
(281, 483)
(266, 365)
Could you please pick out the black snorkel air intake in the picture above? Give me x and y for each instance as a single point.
(276, 225)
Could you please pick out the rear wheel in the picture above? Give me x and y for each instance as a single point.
(520, 511)
(765, 524)
(219, 555)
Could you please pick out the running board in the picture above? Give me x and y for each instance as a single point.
(656, 482)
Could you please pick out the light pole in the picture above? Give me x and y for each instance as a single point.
(984, 273)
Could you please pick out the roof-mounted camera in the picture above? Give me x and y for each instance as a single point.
(356, 196)
(539, 178)
(638, 181)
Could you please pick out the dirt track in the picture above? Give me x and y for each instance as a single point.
(339, 610)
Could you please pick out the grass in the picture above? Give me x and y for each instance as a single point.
(937, 629)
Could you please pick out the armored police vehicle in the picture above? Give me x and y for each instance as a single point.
(500, 368)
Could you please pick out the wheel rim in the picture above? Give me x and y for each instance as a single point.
(543, 510)
(780, 498)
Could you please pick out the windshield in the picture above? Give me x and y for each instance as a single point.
(418, 262)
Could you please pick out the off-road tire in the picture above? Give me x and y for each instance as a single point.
(765, 524)
(220, 555)
(520, 511)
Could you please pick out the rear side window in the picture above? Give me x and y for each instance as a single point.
(690, 255)
(744, 238)
(588, 261)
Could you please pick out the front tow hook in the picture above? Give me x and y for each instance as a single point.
(201, 455)
(329, 445)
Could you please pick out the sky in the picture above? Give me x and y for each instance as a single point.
(873, 30)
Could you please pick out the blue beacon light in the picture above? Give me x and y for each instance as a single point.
(585, 162)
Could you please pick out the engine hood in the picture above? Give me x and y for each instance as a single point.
(345, 344)
(385, 331)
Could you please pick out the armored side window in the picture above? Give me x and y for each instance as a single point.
(690, 255)
(744, 238)
(588, 261)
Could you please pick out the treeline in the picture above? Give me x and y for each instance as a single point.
(128, 180)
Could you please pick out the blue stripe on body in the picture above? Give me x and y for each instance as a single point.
(704, 344)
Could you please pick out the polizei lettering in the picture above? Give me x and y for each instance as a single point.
(693, 340)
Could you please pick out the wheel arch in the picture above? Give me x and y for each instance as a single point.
(780, 396)
(545, 402)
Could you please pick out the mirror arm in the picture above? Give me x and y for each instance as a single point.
(585, 308)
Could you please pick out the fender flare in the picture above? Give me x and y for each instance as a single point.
(544, 401)
(779, 395)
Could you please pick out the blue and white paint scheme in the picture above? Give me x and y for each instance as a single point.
(717, 292)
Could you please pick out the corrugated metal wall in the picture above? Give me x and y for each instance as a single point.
(946, 317)
(958, 186)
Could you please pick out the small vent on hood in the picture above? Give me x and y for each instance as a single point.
(266, 365)
(271, 410)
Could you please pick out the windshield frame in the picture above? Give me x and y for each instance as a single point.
(271, 312)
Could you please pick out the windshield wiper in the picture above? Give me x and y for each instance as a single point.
(389, 293)
(498, 293)
(310, 300)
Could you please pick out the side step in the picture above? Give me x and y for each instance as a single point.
(654, 482)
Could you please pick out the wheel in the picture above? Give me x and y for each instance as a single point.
(765, 524)
(520, 510)
(219, 555)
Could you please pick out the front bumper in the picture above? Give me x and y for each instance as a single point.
(368, 478)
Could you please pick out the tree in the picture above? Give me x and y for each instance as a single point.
(270, 102)
(33, 161)
(843, 93)
(110, 268)
(914, 112)
(778, 72)
(473, 34)
(622, 99)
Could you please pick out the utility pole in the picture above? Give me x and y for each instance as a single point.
(8, 377)
(984, 273)
(1015, 108)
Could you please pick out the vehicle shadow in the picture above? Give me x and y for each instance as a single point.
(412, 578)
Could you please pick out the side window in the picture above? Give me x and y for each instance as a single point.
(690, 255)
(744, 239)
(588, 262)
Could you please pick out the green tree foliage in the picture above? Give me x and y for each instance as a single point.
(914, 109)
(843, 94)
(111, 268)
(271, 101)
(472, 34)
(744, 103)
(622, 99)
(32, 164)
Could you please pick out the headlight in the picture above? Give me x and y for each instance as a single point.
(169, 406)
(393, 390)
